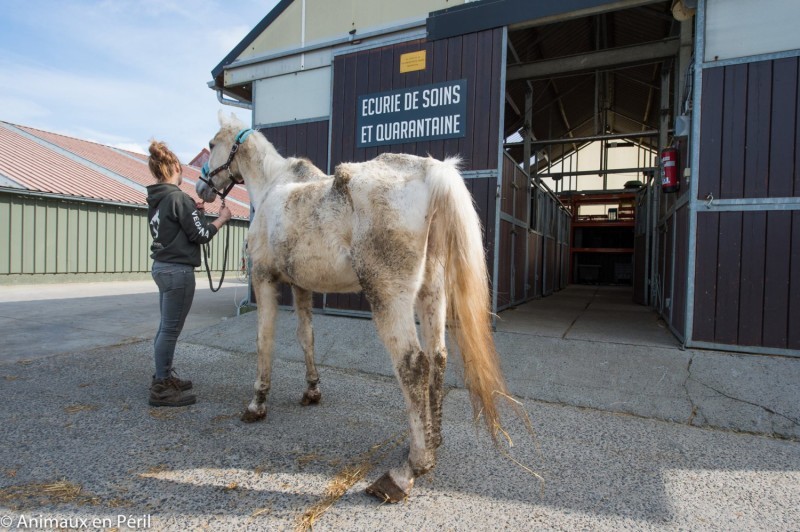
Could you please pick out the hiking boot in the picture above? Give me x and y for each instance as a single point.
(173, 379)
(164, 393)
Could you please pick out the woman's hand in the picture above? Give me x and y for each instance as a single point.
(224, 213)
(223, 218)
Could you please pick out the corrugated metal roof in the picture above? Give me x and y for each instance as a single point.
(38, 168)
(82, 181)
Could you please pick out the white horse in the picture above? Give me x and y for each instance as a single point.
(401, 228)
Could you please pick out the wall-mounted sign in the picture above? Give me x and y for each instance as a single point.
(415, 114)
(412, 61)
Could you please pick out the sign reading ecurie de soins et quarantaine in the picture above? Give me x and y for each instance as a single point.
(415, 114)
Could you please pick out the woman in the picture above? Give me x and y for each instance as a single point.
(178, 228)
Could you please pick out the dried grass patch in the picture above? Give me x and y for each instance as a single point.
(306, 459)
(79, 407)
(351, 473)
(154, 471)
(162, 414)
(45, 494)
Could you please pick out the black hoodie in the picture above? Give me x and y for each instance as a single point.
(176, 226)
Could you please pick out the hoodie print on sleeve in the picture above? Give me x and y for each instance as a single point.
(202, 232)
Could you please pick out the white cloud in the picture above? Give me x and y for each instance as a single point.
(127, 146)
(121, 71)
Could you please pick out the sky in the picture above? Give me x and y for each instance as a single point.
(120, 72)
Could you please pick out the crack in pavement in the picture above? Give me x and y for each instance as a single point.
(588, 304)
(696, 408)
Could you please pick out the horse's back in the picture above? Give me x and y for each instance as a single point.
(389, 191)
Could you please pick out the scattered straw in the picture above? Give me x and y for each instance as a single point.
(306, 459)
(232, 486)
(162, 414)
(346, 478)
(153, 471)
(11, 377)
(261, 511)
(79, 407)
(44, 494)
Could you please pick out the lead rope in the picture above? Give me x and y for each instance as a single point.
(206, 254)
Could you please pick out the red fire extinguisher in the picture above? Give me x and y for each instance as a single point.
(669, 166)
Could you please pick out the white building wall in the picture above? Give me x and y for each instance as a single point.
(741, 28)
(297, 96)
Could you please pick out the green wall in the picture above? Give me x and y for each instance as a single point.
(44, 236)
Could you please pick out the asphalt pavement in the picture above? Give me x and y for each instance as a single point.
(78, 440)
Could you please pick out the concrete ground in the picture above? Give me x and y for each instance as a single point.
(78, 439)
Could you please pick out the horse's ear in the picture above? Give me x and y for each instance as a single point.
(221, 117)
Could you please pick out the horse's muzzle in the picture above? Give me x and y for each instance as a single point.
(205, 192)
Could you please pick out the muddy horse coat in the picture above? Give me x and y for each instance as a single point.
(399, 227)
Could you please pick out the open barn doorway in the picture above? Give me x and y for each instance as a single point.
(591, 101)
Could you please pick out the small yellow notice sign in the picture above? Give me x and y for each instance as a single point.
(412, 62)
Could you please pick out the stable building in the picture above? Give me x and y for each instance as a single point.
(75, 210)
(541, 99)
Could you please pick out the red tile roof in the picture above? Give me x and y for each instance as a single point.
(201, 158)
(38, 166)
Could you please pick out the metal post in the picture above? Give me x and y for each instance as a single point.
(694, 142)
(528, 131)
(499, 133)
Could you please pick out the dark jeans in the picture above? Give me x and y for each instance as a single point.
(176, 291)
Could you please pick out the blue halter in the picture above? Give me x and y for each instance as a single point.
(206, 175)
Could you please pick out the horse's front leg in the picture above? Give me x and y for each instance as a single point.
(305, 336)
(267, 310)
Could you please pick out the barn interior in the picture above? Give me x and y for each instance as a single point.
(590, 100)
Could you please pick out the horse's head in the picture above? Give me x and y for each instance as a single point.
(221, 171)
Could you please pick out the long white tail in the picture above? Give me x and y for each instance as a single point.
(456, 231)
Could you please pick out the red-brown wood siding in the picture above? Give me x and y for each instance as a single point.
(534, 265)
(748, 144)
(747, 278)
(308, 139)
(504, 265)
(551, 265)
(680, 285)
(475, 57)
(484, 193)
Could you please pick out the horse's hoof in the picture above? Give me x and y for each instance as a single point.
(311, 397)
(386, 490)
(248, 416)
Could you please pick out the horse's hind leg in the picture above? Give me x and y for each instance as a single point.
(305, 336)
(432, 314)
(267, 310)
(394, 318)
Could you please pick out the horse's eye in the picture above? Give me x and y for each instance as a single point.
(211, 145)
